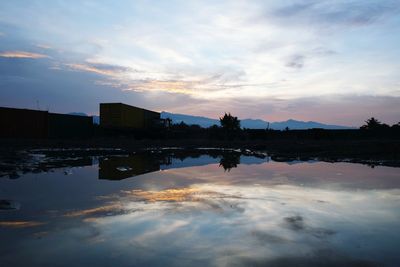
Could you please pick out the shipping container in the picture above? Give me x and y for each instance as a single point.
(23, 123)
(70, 126)
(118, 115)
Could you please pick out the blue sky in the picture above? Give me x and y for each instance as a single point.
(328, 61)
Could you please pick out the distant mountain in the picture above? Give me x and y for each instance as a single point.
(254, 124)
(297, 125)
(250, 123)
(190, 120)
(245, 123)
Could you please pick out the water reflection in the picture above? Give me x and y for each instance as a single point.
(229, 161)
(122, 167)
(194, 213)
(118, 168)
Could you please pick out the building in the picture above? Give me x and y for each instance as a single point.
(69, 126)
(122, 116)
(23, 123)
(26, 123)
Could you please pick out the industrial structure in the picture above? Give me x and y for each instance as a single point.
(27, 123)
(117, 117)
(122, 116)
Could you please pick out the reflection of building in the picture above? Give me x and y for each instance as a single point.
(118, 115)
(26, 123)
(117, 168)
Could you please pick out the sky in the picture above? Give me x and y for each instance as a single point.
(335, 62)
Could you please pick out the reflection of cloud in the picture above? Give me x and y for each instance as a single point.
(22, 54)
(266, 238)
(161, 231)
(317, 258)
(170, 195)
(96, 211)
(20, 224)
(128, 202)
(295, 223)
(265, 232)
(187, 194)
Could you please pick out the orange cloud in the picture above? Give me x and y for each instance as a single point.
(172, 86)
(43, 46)
(102, 69)
(97, 210)
(188, 194)
(83, 67)
(20, 224)
(22, 54)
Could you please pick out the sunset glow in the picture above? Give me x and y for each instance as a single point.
(328, 61)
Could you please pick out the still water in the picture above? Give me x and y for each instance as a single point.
(207, 209)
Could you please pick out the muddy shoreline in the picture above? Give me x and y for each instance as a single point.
(370, 152)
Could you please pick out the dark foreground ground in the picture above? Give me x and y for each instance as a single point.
(373, 151)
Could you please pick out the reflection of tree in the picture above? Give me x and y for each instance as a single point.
(229, 161)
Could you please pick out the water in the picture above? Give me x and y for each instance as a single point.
(220, 209)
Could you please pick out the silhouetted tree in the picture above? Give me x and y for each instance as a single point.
(229, 122)
(396, 126)
(373, 124)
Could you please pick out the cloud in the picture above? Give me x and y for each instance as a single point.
(130, 79)
(256, 59)
(43, 46)
(327, 13)
(172, 86)
(101, 69)
(22, 54)
(296, 62)
(347, 109)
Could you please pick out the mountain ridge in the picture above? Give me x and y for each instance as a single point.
(251, 123)
(245, 123)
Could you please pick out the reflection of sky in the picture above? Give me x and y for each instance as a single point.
(187, 162)
(206, 160)
(271, 214)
